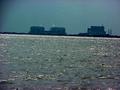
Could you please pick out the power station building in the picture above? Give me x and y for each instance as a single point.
(57, 31)
(38, 30)
(96, 31)
(92, 31)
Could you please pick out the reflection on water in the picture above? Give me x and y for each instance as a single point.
(59, 63)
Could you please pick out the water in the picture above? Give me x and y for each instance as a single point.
(59, 63)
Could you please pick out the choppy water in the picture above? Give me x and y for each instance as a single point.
(63, 62)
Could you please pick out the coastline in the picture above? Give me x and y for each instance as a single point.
(74, 35)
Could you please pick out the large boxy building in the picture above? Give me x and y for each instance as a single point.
(57, 31)
(37, 30)
(96, 30)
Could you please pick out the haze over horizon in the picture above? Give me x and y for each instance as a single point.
(76, 16)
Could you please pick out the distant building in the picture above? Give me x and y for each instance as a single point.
(37, 30)
(96, 31)
(57, 31)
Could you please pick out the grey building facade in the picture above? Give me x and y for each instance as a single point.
(96, 30)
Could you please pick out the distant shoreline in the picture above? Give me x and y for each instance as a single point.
(104, 36)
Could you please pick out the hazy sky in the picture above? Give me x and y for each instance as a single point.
(75, 15)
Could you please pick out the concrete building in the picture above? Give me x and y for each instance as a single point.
(37, 30)
(57, 31)
(96, 31)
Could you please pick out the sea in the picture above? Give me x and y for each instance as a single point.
(38, 62)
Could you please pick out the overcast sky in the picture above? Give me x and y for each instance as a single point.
(75, 15)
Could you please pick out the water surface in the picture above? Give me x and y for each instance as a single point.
(52, 61)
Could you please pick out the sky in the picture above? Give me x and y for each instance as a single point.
(75, 15)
